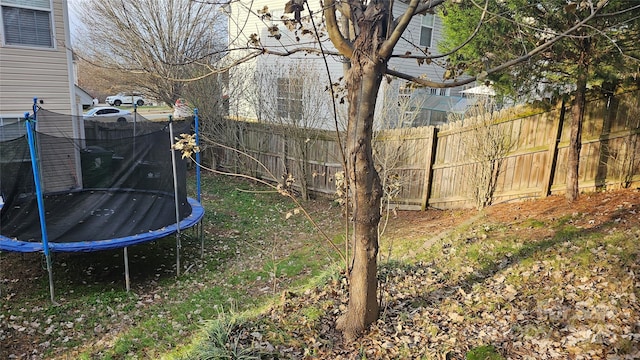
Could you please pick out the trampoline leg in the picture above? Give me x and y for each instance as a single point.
(178, 245)
(50, 271)
(200, 232)
(126, 268)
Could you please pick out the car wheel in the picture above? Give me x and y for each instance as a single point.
(139, 102)
(117, 103)
(122, 120)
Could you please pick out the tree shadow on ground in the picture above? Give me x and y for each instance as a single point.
(455, 292)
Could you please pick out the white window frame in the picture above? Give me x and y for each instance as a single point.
(427, 21)
(439, 91)
(11, 120)
(289, 98)
(405, 92)
(276, 16)
(45, 6)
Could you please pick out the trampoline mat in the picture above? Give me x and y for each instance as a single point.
(91, 215)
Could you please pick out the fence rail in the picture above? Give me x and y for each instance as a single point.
(434, 165)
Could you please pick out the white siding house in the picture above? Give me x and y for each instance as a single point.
(36, 61)
(267, 78)
(270, 83)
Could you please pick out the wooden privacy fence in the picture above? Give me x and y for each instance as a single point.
(112, 130)
(433, 167)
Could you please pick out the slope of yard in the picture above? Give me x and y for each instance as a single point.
(535, 280)
(531, 280)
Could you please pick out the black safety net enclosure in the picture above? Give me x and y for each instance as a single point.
(113, 188)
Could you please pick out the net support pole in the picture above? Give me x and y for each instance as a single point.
(197, 131)
(126, 269)
(199, 229)
(30, 123)
(135, 120)
(175, 195)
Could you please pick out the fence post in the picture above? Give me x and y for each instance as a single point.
(428, 171)
(553, 152)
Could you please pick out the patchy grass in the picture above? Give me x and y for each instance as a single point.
(539, 279)
(251, 254)
(487, 352)
(541, 286)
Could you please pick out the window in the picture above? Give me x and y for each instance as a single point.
(438, 117)
(107, 111)
(427, 117)
(27, 22)
(404, 93)
(438, 91)
(289, 98)
(275, 18)
(426, 30)
(11, 128)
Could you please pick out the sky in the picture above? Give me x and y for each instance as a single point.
(74, 17)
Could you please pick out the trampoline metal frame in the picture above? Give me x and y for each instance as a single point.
(15, 245)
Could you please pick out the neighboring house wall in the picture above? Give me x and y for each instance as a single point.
(259, 77)
(430, 105)
(35, 61)
(412, 37)
(32, 65)
(245, 20)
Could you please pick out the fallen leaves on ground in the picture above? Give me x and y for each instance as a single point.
(565, 288)
(541, 279)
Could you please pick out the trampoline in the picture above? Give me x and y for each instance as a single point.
(125, 218)
(121, 187)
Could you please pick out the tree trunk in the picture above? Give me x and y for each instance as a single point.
(575, 137)
(363, 82)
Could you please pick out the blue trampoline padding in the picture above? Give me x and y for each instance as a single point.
(197, 212)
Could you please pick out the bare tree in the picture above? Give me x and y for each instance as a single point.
(99, 81)
(366, 44)
(210, 96)
(292, 97)
(486, 143)
(377, 32)
(159, 42)
(390, 149)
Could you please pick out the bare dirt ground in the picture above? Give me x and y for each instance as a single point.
(591, 209)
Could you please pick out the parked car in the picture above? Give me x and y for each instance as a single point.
(108, 112)
(123, 98)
